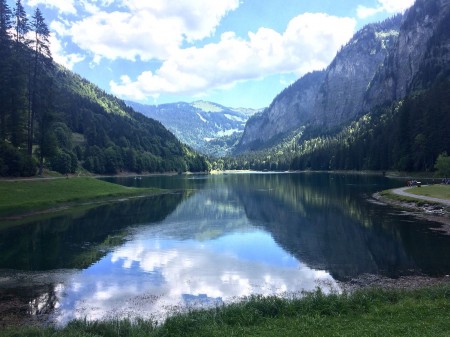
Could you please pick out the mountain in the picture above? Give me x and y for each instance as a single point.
(102, 123)
(420, 57)
(53, 118)
(381, 104)
(207, 127)
(327, 98)
(289, 111)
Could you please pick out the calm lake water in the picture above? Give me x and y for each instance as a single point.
(214, 240)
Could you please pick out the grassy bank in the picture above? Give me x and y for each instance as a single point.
(375, 312)
(390, 196)
(27, 196)
(435, 191)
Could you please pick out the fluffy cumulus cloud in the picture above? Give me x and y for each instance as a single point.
(309, 43)
(176, 35)
(385, 6)
(145, 29)
(65, 6)
(60, 56)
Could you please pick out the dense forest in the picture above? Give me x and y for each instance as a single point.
(408, 135)
(51, 118)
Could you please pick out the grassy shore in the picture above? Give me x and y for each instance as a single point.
(28, 196)
(434, 191)
(373, 312)
(395, 199)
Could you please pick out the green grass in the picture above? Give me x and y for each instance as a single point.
(375, 312)
(388, 194)
(435, 191)
(24, 196)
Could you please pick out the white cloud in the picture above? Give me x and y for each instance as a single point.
(59, 27)
(309, 43)
(63, 6)
(59, 55)
(147, 29)
(384, 6)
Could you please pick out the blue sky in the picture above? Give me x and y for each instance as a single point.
(239, 53)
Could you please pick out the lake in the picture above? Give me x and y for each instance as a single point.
(211, 240)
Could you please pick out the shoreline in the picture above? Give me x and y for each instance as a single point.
(74, 205)
(418, 208)
(373, 281)
(15, 310)
(78, 193)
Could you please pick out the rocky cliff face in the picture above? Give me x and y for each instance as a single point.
(341, 95)
(288, 111)
(328, 97)
(420, 55)
(382, 63)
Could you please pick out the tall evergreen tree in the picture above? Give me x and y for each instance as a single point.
(5, 42)
(40, 88)
(18, 78)
(22, 26)
(42, 35)
(5, 21)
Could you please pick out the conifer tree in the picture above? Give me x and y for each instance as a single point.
(18, 78)
(5, 42)
(22, 26)
(5, 22)
(40, 89)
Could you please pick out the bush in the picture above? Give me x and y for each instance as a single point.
(64, 162)
(443, 165)
(15, 163)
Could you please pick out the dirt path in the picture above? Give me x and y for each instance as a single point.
(402, 192)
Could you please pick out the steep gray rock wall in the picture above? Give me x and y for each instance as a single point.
(289, 110)
(341, 96)
(414, 52)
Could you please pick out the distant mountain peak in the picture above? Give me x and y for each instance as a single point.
(207, 127)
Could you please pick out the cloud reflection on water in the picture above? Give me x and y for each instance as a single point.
(164, 267)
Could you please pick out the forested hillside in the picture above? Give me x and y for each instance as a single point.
(52, 118)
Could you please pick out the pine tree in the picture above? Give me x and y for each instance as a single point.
(5, 23)
(18, 78)
(5, 42)
(22, 26)
(40, 89)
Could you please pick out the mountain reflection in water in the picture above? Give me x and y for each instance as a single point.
(206, 252)
(225, 237)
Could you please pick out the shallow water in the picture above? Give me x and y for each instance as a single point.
(217, 239)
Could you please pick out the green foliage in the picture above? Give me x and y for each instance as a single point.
(64, 162)
(14, 162)
(443, 165)
(44, 105)
(407, 136)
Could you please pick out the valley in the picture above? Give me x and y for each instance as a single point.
(208, 128)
